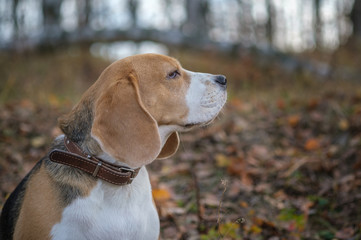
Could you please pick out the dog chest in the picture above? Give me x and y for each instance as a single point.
(111, 212)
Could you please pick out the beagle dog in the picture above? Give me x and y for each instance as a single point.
(93, 184)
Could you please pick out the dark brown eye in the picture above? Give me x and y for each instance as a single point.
(173, 75)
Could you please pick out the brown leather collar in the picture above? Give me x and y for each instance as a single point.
(75, 157)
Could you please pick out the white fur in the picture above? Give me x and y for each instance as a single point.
(111, 212)
(205, 98)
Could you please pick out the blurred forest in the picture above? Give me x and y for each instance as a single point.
(282, 161)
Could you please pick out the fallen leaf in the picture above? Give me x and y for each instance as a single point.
(343, 124)
(53, 100)
(293, 120)
(313, 103)
(260, 152)
(312, 144)
(255, 229)
(210, 200)
(243, 204)
(222, 160)
(161, 195)
(345, 233)
(281, 104)
(229, 229)
(238, 167)
(38, 141)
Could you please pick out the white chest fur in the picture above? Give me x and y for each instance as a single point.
(111, 212)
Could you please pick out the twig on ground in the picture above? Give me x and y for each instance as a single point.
(219, 217)
(200, 217)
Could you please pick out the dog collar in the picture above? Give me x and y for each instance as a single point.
(98, 168)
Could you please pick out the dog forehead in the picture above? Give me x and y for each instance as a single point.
(153, 62)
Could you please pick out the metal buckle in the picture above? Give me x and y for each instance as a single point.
(132, 172)
(96, 170)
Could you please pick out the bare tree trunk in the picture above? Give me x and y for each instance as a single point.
(84, 9)
(169, 13)
(15, 18)
(247, 23)
(270, 21)
(317, 24)
(51, 16)
(196, 23)
(132, 8)
(355, 17)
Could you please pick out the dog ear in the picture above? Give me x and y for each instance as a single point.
(170, 147)
(122, 125)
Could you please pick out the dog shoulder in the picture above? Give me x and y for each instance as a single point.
(11, 209)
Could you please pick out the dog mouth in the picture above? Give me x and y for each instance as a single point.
(209, 107)
(199, 124)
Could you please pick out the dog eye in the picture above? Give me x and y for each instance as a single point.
(173, 74)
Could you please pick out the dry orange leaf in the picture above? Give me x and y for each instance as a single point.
(293, 120)
(313, 103)
(161, 195)
(343, 124)
(243, 204)
(281, 104)
(236, 166)
(312, 144)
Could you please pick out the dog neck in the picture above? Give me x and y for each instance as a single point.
(91, 146)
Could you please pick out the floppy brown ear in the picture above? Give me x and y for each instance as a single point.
(123, 127)
(170, 147)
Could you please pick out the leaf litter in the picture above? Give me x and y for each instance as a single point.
(281, 170)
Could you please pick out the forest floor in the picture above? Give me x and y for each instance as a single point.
(280, 162)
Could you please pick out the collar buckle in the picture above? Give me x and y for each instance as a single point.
(131, 171)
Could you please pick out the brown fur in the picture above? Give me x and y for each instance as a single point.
(163, 98)
(124, 107)
(44, 200)
(127, 131)
(171, 147)
(40, 209)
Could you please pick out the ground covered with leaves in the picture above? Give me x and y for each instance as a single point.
(267, 172)
(278, 163)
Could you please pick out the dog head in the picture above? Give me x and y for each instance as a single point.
(138, 104)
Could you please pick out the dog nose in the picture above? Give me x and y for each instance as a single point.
(222, 80)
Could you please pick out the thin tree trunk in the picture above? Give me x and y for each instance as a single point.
(355, 17)
(132, 8)
(270, 21)
(84, 9)
(51, 16)
(15, 18)
(318, 24)
(196, 23)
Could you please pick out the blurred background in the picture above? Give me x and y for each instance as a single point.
(283, 160)
(284, 25)
(317, 37)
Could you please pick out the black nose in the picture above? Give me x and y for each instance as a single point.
(222, 80)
